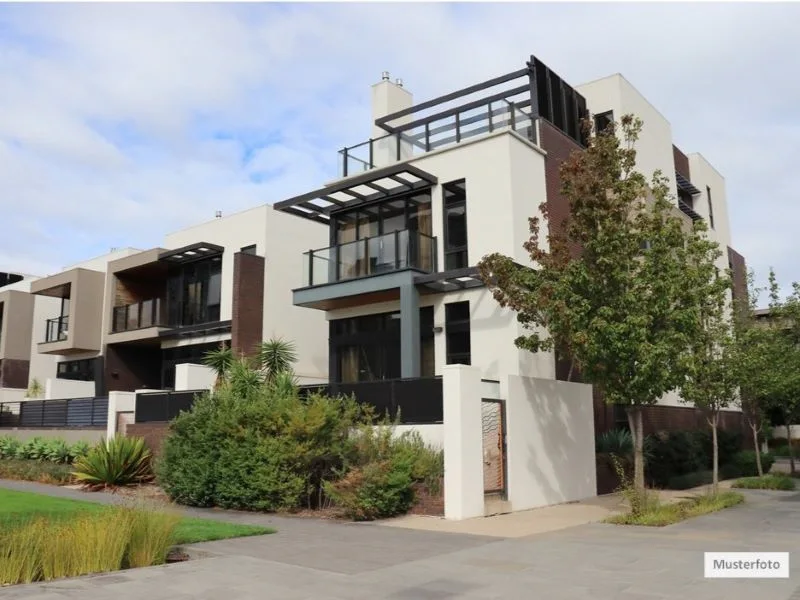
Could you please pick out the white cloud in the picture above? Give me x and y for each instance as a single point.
(119, 123)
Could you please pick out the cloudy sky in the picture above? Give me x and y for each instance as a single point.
(111, 114)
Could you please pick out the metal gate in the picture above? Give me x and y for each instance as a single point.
(494, 446)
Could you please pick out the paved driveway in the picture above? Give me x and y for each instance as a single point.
(309, 559)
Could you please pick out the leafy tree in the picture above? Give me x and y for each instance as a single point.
(626, 304)
(710, 381)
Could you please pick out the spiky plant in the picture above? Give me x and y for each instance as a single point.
(275, 356)
(221, 361)
(117, 462)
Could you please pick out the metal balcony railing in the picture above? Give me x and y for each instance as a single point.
(433, 135)
(371, 256)
(56, 329)
(139, 315)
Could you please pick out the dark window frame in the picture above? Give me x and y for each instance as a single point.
(602, 121)
(462, 251)
(710, 207)
(457, 325)
(251, 249)
(83, 369)
(2, 307)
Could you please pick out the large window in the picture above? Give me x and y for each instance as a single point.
(78, 370)
(603, 121)
(456, 317)
(710, 208)
(368, 348)
(194, 293)
(455, 226)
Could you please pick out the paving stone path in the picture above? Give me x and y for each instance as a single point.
(322, 560)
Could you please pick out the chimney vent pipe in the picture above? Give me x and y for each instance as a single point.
(399, 82)
(385, 76)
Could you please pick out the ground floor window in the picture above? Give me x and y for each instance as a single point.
(194, 354)
(368, 348)
(77, 370)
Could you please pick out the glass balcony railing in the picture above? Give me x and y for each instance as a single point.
(139, 315)
(56, 329)
(447, 131)
(371, 256)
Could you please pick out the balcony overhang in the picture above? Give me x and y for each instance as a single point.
(142, 265)
(190, 253)
(58, 285)
(448, 281)
(685, 185)
(377, 184)
(354, 292)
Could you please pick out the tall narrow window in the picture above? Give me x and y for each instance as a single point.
(455, 226)
(710, 208)
(1, 322)
(456, 317)
(603, 121)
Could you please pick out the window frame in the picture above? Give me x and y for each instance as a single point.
(453, 188)
(710, 207)
(460, 326)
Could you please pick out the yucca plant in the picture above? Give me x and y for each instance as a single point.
(618, 442)
(220, 360)
(275, 356)
(117, 462)
(284, 384)
(243, 380)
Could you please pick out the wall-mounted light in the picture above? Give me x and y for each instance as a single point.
(438, 329)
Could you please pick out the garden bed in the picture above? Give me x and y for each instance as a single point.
(658, 514)
(44, 537)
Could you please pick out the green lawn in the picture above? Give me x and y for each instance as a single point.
(22, 506)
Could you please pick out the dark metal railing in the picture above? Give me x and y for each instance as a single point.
(371, 256)
(163, 405)
(432, 135)
(56, 329)
(418, 400)
(139, 315)
(73, 412)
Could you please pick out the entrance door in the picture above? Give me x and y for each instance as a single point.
(494, 446)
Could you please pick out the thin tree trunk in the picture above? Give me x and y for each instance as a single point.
(715, 464)
(635, 423)
(758, 450)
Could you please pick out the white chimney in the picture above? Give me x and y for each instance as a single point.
(387, 98)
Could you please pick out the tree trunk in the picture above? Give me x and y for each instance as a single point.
(715, 463)
(787, 419)
(635, 423)
(758, 450)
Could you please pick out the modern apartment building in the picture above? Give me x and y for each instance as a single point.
(440, 184)
(123, 321)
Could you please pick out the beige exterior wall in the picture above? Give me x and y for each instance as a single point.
(15, 337)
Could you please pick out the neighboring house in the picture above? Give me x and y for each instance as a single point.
(442, 183)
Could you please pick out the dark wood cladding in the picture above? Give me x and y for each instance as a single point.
(247, 321)
(14, 373)
(681, 162)
(130, 367)
(558, 147)
(738, 269)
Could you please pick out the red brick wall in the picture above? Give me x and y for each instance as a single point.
(248, 303)
(153, 433)
(739, 274)
(427, 503)
(14, 373)
(681, 162)
(558, 147)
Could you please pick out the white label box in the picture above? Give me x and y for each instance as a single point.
(752, 565)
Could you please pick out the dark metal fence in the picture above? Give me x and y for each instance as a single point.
(418, 400)
(163, 406)
(74, 412)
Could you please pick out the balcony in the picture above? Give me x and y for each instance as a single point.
(449, 130)
(378, 255)
(56, 329)
(139, 315)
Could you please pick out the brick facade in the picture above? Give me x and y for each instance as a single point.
(739, 274)
(247, 321)
(153, 433)
(14, 373)
(681, 162)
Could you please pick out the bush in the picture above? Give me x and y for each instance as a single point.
(745, 462)
(674, 453)
(618, 442)
(52, 450)
(767, 482)
(9, 447)
(381, 484)
(119, 461)
(34, 470)
(690, 480)
(263, 450)
(729, 443)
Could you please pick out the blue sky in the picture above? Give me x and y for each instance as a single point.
(111, 114)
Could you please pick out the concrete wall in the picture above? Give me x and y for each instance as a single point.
(58, 389)
(194, 377)
(12, 394)
(119, 402)
(780, 432)
(550, 442)
(432, 435)
(15, 336)
(70, 436)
